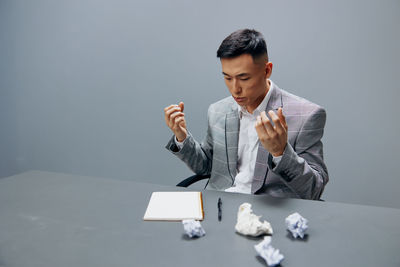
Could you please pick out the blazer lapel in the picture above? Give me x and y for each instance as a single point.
(261, 167)
(275, 100)
(232, 125)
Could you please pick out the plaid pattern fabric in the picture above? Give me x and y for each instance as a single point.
(301, 172)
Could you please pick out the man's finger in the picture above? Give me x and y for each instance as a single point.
(168, 111)
(172, 110)
(260, 129)
(181, 105)
(277, 122)
(282, 118)
(173, 116)
(267, 124)
(169, 107)
(179, 121)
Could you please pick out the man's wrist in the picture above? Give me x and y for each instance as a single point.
(180, 141)
(180, 137)
(276, 155)
(279, 154)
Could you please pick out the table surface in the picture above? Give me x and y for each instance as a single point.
(54, 219)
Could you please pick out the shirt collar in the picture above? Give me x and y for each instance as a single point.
(261, 107)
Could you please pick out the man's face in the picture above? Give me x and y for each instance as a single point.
(246, 79)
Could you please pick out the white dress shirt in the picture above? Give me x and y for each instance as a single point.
(247, 147)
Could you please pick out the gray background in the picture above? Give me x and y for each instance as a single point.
(83, 84)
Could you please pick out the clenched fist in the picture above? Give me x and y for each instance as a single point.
(175, 119)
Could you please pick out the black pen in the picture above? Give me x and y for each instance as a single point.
(219, 209)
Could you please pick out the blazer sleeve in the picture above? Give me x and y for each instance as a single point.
(197, 156)
(302, 167)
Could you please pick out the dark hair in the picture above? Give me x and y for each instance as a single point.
(241, 42)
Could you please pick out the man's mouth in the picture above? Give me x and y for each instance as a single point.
(239, 99)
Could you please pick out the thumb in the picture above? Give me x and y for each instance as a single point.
(182, 106)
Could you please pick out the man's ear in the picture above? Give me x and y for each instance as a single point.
(268, 69)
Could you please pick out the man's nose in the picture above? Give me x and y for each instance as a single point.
(236, 86)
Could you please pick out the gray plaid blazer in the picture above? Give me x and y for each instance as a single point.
(301, 173)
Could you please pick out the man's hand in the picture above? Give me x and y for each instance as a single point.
(273, 138)
(175, 119)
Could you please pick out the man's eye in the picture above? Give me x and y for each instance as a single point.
(227, 78)
(244, 79)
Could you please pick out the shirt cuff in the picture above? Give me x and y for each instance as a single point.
(275, 160)
(178, 144)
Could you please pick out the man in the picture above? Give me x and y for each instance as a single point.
(261, 139)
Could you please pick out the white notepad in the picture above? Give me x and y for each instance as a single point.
(174, 206)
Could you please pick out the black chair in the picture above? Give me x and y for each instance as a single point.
(193, 179)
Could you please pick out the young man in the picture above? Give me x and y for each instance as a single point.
(261, 139)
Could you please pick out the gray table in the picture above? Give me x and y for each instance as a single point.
(53, 219)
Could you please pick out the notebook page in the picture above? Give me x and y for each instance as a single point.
(174, 206)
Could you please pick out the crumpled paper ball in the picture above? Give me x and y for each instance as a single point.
(249, 224)
(271, 255)
(297, 225)
(193, 228)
